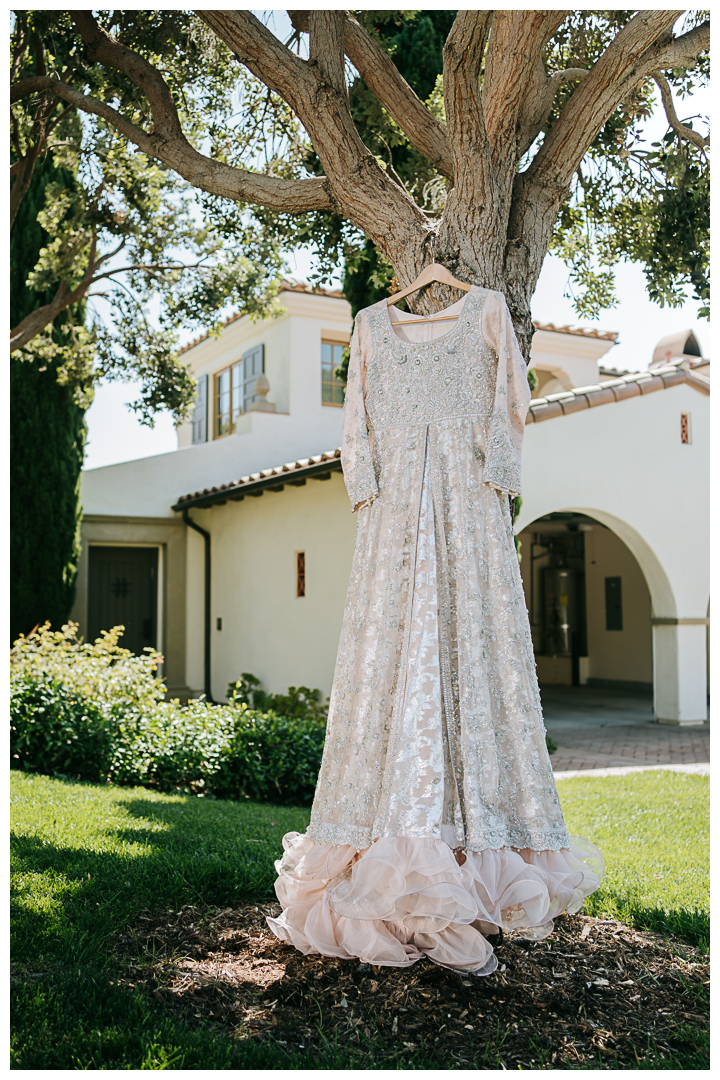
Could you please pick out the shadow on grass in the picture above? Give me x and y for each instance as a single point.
(67, 900)
(78, 1019)
(690, 926)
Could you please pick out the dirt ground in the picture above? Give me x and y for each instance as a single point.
(595, 994)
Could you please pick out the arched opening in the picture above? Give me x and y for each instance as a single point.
(590, 610)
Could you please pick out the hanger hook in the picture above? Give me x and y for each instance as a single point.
(432, 244)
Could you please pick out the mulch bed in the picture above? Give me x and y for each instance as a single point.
(596, 994)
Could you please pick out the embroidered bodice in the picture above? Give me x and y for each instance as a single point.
(475, 371)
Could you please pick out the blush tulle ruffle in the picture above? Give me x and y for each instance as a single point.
(407, 897)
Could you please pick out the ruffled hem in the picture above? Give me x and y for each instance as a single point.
(406, 897)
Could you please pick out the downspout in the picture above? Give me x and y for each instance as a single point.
(206, 537)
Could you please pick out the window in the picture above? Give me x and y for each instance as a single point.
(235, 390)
(613, 603)
(685, 429)
(300, 573)
(333, 389)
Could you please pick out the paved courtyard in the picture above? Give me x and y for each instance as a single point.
(602, 728)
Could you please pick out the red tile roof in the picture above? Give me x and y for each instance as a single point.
(635, 384)
(583, 397)
(607, 335)
(286, 285)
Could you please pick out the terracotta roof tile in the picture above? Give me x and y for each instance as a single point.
(286, 285)
(632, 385)
(569, 401)
(604, 335)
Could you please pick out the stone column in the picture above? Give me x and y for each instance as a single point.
(680, 670)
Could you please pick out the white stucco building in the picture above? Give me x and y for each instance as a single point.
(232, 554)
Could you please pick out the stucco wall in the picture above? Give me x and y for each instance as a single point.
(266, 629)
(624, 464)
(619, 655)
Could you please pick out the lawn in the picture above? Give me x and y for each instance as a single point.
(86, 859)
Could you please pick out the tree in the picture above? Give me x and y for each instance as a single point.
(47, 442)
(127, 230)
(535, 124)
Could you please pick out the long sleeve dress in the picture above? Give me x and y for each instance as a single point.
(436, 818)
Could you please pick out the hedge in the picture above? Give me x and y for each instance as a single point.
(95, 711)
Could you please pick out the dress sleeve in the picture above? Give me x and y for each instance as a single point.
(357, 464)
(512, 399)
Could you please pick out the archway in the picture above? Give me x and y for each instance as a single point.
(644, 641)
(589, 603)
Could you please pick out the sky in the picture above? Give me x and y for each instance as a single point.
(115, 435)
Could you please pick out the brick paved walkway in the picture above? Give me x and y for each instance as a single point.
(632, 744)
(606, 728)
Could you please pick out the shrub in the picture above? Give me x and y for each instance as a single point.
(99, 670)
(300, 701)
(272, 757)
(225, 751)
(55, 730)
(94, 710)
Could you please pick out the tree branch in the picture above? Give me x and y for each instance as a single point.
(34, 323)
(260, 51)
(680, 129)
(539, 102)
(361, 190)
(684, 50)
(634, 53)
(380, 75)
(512, 64)
(35, 85)
(327, 51)
(288, 196)
(104, 49)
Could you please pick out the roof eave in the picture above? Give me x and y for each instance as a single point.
(277, 481)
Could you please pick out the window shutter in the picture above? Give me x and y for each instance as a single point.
(253, 364)
(199, 420)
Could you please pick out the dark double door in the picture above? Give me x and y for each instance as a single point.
(123, 590)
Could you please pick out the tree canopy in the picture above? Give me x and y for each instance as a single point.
(206, 147)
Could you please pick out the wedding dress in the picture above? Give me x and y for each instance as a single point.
(436, 818)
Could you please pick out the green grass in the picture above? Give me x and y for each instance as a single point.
(87, 857)
(652, 829)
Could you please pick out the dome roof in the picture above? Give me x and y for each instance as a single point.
(683, 343)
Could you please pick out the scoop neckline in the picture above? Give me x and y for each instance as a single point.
(424, 318)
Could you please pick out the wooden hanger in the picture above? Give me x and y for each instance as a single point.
(434, 272)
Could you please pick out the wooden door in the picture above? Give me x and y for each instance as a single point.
(123, 586)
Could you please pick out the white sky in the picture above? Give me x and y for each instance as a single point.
(114, 434)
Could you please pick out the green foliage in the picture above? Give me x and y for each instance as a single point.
(628, 202)
(54, 730)
(299, 701)
(223, 751)
(129, 226)
(47, 434)
(94, 709)
(101, 670)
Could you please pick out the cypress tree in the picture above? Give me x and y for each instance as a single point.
(47, 446)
